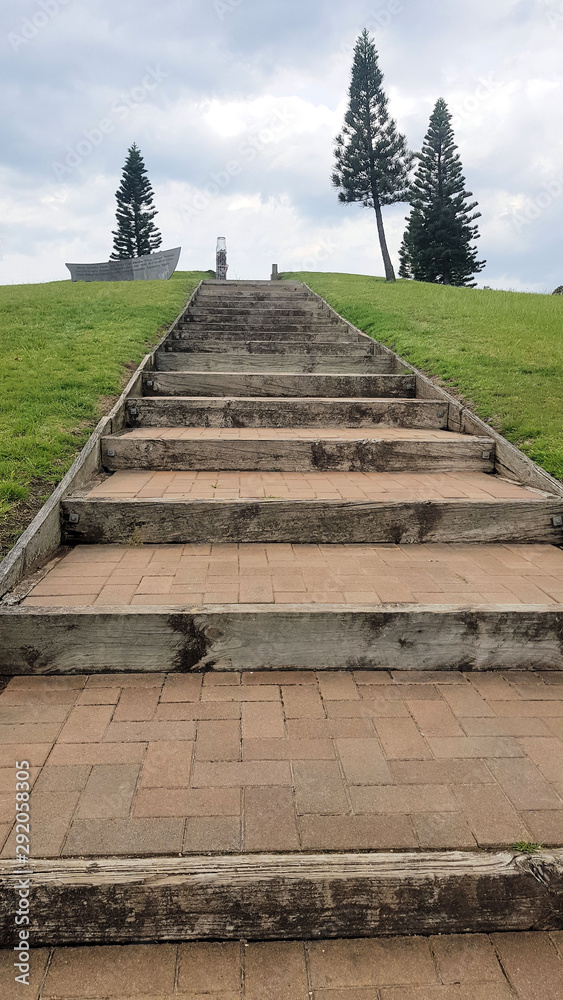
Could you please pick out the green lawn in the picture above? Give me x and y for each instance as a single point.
(500, 351)
(66, 351)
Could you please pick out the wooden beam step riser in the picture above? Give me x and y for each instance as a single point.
(271, 348)
(255, 330)
(267, 637)
(297, 456)
(315, 522)
(284, 897)
(170, 361)
(271, 385)
(230, 338)
(231, 412)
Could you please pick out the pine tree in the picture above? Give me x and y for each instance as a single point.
(440, 229)
(136, 234)
(372, 158)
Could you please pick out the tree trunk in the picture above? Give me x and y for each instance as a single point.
(389, 272)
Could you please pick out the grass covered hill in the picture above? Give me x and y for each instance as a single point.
(502, 352)
(66, 351)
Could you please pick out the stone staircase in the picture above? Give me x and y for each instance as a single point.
(261, 646)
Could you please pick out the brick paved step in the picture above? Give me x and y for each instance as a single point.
(291, 896)
(244, 347)
(210, 411)
(450, 967)
(301, 313)
(202, 333)
(297, 450)
(249, 328)
(58, 635)
(171, 521)
(268, 384)
(298, 361)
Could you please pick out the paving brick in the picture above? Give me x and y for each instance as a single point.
(434, 718)
(262, 692)
(30, 734)
(440, 772)
(427, 677)
(505, 727)
(376, 709)
(12, 990)
(36, 713)
(111, 971)
(319, 788)
(288, 749)
(209, 968)
(401, 739)
(197, 710)
(532, 964)
(492, 819)
(545, 825)
(99, 696)
(529, 709)
(102, 837)
(182, 687)
(187, 802)
(86, 724)
(438, 831)
(61, 779)
(133, 679)
(475, 991)
(262, 720)
(465, 701)
(302, 703)
(167, 765)
(149, 732)
(466, 958)
(363, 762)
(318, 729)
(351, 833)
(280, 677)
(401, 692)
(269, 820)
(371, 962)
(218, 740)
(402, 799)
(337, 686)
(229, 774)
(71, 754)
(547, 754)
(109, 791)
(523, 784)
(275, 971)
(212, 833)
(51, 814)
(476, 747)
(492, 686)
(137, 705)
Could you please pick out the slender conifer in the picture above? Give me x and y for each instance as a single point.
(437, 245)
(136, 234)
(372, 158)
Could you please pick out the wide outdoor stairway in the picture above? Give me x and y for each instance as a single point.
(295, 675)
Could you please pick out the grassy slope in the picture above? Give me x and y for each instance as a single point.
(501, 351)
(64, 352)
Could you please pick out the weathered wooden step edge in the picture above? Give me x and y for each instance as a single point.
(106, 521)
(292, 455)
(242, 348)
(277, 384)
(173, 361)
(233, 411)
(281, 897)
(265, 637)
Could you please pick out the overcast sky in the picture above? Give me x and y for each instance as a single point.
(235, 104)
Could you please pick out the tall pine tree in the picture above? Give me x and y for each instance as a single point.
(437, 245)
(372, 158)
(136, 234)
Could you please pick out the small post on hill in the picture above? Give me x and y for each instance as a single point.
(275, 275)
(221, 265)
